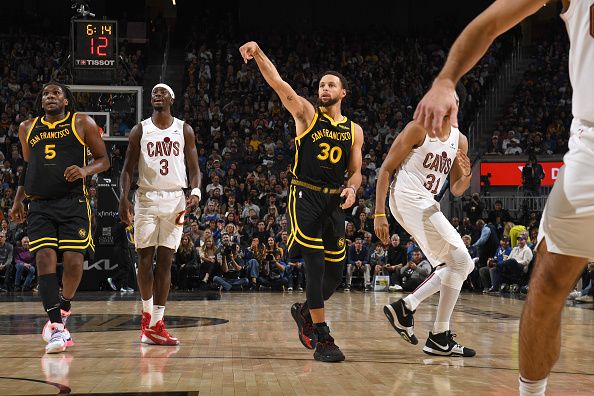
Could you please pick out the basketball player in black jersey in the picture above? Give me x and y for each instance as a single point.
(328, 146)
(54, 148)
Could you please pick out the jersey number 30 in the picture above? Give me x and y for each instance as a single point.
(334, 153)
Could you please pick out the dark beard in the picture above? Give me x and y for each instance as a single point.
(159, 108)
(328, 103)
(55, 112)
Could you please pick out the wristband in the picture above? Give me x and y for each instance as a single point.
(353, 188)
(467, 174)
(196, 191)
(379, 215)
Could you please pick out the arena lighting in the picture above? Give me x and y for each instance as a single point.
(173, 1)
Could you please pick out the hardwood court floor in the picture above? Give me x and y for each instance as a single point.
(257, 351)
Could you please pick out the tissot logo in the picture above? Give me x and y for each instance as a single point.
(94, 62)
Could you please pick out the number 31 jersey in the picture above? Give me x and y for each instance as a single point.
(323, 151)
(162, 166)
(426, 168)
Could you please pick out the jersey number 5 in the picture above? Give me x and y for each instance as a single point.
(334, 153)
(164, 167)
(430, 182)
(50, 151)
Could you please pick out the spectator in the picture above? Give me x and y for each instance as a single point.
(6, 265)
(514, 269)
(294, 270)
(474, 208)
(396, 258)
(123, 247)
(514, 147)
(232, 266)
(498, 213)
(357, 262)
(377, 260)
(186, 263)
(414, 272)
(254, 257)
(208, 261)
(532, 175)
(501, 254)
(487, 243)
(24, 261)
(272, 271)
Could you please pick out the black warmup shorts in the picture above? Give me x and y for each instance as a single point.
(316, 223)
(62, 224)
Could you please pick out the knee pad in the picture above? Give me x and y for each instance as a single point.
(458, 269)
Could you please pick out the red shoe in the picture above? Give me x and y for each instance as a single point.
(158, 335)
(144, 323)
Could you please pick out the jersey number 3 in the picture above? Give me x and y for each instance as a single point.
(334, 153)
(164, 167)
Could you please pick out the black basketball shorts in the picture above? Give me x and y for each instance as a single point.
(62, 224)
(317, 222)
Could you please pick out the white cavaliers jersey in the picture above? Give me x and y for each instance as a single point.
(162, 166)
(579, 20)
(426, 167)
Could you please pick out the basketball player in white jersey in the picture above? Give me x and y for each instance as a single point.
(161, 146)
(420, 165)
(564, 241)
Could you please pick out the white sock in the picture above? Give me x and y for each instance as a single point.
(448, 297)
(158, 313)
(427, 289)
(532, 388)
(147, 305)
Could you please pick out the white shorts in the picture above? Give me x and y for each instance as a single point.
(567, 222)
(157, 218)
(421, 217)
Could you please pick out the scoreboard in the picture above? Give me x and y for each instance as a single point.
(94, 44)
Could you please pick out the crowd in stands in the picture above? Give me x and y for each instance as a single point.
(538, 118)
(237, 237)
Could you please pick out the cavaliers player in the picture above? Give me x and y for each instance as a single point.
(420, 165)
(59, 216)
(161, 146)
(563, 241)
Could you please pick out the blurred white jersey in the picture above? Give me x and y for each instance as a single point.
(579, 20)
(161, 166)
(426, 167)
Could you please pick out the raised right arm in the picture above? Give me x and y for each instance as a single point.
(300, 108)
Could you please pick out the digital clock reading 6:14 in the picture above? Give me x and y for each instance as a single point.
(94, 44)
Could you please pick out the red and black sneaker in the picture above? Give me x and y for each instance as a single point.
(326, 349)
(305, 328)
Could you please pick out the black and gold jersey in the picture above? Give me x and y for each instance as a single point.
(323, 151)
(53, 147)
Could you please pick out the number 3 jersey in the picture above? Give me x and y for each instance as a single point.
(162, 165)
(323, 151)
(426, 168)
(53, 147)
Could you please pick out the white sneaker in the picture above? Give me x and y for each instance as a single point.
(60, 339)
(290, 289)
(574, 294)
(129, 290)
(395, 288)
(111, 284)
(46, 333)
(585, 299)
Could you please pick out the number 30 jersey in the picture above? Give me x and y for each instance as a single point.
(162, 166)
(323, 151)
(426, 168)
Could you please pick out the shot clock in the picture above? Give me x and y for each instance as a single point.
(94, 44)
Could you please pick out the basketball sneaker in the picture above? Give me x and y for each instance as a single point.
(443, 344)
(326, 349)
(158, 335)
(145, 321)
(59, 340)
(46, 333)
(402, 320)
(305, 329)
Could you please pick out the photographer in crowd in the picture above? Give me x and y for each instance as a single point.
(231, 259)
